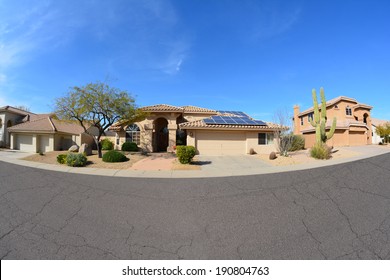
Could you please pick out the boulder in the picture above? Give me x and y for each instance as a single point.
(85, 148)
(272, 156)
(73, 149)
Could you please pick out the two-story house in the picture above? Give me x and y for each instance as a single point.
(353, 122)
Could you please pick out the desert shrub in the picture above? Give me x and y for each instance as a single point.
(298, 143)
(107, 144)
(185, 153)
(129, 147)
(61, 158)
(114, 156)
(76, 160)
(321, 151)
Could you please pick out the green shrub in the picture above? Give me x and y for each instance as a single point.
(61, 158)
(321, 151)
(298, 143)
(76, 160)
(106, 144)
(129, 147)
(114, 156)
(185, 153)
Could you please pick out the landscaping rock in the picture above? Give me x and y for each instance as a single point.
(85, 148)
(73, 149)
(272, 156)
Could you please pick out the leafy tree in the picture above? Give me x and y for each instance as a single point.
(98, 105)
(384, 131)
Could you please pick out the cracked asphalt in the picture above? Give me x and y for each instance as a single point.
(335, 212)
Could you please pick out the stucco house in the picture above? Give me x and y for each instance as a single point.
(10, 116)
(31, 132)
(211, 132)
(353, 122)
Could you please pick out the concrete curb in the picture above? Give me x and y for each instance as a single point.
(188, 173)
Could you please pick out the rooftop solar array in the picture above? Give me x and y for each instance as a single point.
(237, 113)
(244, 120)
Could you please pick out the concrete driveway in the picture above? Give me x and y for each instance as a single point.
(334, 212)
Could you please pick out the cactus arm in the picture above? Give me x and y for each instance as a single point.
(313, 123)
(323, 103)
(332, 129)
(315, 105)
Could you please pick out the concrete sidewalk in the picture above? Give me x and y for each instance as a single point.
(211, 166)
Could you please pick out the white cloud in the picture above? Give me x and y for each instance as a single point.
(136, 29)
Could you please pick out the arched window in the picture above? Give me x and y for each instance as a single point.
(133, 134)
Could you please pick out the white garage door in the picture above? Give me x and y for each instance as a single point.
(25, 143)
(44, 144)
(220, 142)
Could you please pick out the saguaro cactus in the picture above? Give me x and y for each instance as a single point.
(319, 121)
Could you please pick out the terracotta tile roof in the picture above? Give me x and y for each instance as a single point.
(162, 108)
(182, 109)
(202, 125)
(15, 110)
(195, 109)
(346, 124)
(48, 125)
(334, 101)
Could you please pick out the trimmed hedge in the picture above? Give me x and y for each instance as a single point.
(61, 158)
(114, 156)
(107, 144)
(185, 154)
(129, 147)
(76, 160)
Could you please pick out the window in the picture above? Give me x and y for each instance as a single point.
(336, 106)
(265, 138)
(133, 134)
(348, 111)
(310, 117)
(301, 120)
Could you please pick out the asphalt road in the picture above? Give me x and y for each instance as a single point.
(336, 212)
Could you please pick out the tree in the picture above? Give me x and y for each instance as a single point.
(23, 107)
(383, 131)
(282, 133)
(98, 105)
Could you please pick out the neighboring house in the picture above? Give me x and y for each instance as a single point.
(10, 116)
(353, 122)
(211, 132)
(26, 131)
(376, 139)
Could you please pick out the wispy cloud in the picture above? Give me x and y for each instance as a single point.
(145, 26)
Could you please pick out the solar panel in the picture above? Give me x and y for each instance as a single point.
(245, 120)
(237, 113)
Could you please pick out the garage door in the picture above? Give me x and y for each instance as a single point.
(25, 143)
(220, 143)
(357, 138)
(44, 144)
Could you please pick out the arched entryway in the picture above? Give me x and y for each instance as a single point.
(161, 135)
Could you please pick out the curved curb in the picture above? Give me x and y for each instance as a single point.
(188, 174)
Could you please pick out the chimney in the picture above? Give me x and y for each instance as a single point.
(297, 121)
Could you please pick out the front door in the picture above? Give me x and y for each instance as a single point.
(161, 135)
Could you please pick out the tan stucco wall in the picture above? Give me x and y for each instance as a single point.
(227, 142)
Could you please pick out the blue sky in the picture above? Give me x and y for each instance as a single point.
(254, 56)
